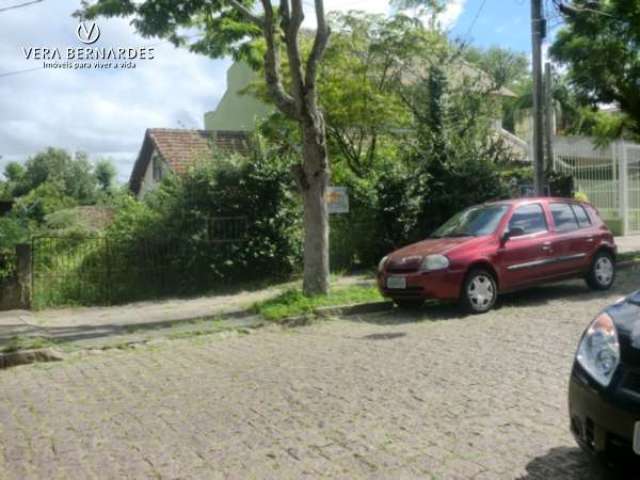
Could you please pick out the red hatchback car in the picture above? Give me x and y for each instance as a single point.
(500, 247)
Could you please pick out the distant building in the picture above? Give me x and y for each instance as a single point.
(167, 151)
(237, 110)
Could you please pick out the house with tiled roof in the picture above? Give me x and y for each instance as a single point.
(166, 151)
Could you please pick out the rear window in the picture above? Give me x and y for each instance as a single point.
(530, 218)
(581, 215)
(563, 217)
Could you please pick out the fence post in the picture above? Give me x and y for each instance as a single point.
(624, 186)
(24, 273)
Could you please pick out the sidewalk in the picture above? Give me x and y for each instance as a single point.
(630, 243)
(89, 327)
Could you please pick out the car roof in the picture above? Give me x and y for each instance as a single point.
(527, 200)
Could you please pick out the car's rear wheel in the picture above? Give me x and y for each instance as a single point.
(408, 304)
(480, 291)
(603, 272)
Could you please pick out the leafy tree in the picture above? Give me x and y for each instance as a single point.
(72, 176)
(105, 174)
(357, 82)
(456, 155)
(599, 44)
(46, 198)
(239, 29)
(14, 172)
(506, 68)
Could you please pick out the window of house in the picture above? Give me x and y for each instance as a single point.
(157, 168)
(582, 216)
(530, 218)
(563, 217)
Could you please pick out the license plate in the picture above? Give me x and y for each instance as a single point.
(636, 439)
(396, 283)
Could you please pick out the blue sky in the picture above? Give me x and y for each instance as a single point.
(501, 22)
(105, 113)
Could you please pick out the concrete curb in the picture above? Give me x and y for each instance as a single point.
(342, 310)
(25, 357)
(627, 264)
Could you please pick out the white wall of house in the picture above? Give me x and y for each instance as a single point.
(156, 171)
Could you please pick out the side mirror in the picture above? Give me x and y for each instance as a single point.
(511, 233)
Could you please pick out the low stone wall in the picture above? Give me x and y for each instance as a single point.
(10, 295)
(15, 293)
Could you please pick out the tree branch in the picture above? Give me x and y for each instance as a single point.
(319, 46)
(291, 23)
(246, 13)
(283, 100)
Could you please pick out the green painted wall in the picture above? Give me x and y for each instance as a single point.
(236, 111)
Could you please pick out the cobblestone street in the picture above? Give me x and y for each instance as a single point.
(429, 395)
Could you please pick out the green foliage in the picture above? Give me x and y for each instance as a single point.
(44, 199)
(73, 176)
(177, 223)
(560, 184)
(504, 67)
(356, 83)
(13, 230)
(581, 197)
(294, 303)
(45, 190)
(105, 174)
(601, 50)
(226, 32)
(456, 154)
(14, 172)
(20, 343)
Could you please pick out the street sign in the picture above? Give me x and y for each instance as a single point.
(337, 200)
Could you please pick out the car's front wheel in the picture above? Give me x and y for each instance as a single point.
(480, 291)
(603, 272)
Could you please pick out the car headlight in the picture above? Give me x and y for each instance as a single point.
(599, 350)
(381, 264)
(434, 262)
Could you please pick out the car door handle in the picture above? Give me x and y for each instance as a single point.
(546, 247)
(590, 240)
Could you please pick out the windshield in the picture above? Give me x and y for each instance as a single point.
(473, 222)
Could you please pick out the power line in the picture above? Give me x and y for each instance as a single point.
(18, 72)
(475, 19)
(20, 5)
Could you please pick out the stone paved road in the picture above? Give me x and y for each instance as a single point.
(424, 395)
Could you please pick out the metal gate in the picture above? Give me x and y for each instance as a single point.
(608, 175)
(630, 193)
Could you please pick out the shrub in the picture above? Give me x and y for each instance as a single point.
(222, 221)
(581, 197)
(13, 230)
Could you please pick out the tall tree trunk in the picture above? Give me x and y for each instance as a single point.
(313, 179)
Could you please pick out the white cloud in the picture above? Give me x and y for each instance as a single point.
(104, 113)
(452, 13)
(448, 18)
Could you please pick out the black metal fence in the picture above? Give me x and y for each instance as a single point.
(92, 270)
(97, 270)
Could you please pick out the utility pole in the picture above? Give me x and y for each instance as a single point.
(538, 31)
(549, 117)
